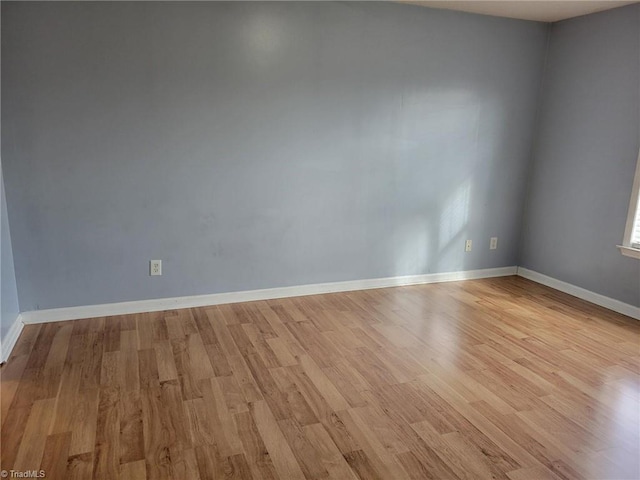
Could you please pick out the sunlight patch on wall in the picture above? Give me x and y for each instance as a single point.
(412, 245)
(455, 214)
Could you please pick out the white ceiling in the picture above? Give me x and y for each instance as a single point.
(543, 11)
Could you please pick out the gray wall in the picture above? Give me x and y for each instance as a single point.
(585, 155)
(253, 145)
(8, 293)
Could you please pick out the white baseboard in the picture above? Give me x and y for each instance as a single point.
(141, 306)
(7, 343)
(589, 296)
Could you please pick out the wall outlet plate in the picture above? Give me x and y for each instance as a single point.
(467, 246)
(155, 267)
(493, 243)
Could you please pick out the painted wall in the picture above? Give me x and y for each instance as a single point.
(585, 155)
(253, 145)
(8, 293)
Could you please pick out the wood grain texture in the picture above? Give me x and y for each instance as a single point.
(497, 378)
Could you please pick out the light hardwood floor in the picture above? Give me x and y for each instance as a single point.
(497, 378)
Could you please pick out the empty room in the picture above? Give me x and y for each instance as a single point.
(320, 240)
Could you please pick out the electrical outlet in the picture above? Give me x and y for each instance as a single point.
(155, 267)
(493, 243)
(467, 246)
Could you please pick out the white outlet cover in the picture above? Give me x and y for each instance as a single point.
(467, 245)
(493, 243)
(155, 267)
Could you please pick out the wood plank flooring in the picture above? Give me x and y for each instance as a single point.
(498, 378)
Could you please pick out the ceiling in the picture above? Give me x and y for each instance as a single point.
(542, 11)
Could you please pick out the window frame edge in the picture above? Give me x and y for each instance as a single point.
(626, 248)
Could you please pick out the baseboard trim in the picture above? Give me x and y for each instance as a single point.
(589, 296)
(141, 306)
(7, 344)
